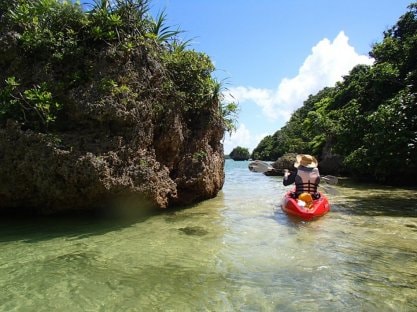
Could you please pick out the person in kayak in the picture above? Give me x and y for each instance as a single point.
(306, 177)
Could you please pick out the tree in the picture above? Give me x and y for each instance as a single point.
(368, 118)
(240, 153)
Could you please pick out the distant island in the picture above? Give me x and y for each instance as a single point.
(239, 153)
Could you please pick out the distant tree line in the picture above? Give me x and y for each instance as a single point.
(369, 118)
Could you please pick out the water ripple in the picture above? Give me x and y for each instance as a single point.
(236, 252)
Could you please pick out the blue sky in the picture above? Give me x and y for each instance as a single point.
(272, 54)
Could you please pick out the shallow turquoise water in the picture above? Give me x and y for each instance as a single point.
(237, 252)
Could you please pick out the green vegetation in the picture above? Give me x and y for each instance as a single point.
(239, 153)
(63, 44)
(199, 155)
(33, 108)
(369, 118)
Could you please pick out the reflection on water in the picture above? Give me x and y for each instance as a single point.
(237, 252)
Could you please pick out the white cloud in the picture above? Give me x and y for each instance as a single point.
(327, 64)
(243, 138)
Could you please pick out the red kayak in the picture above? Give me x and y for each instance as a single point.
(319, 207)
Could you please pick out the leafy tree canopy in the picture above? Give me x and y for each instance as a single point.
(63, 44)
(239, 153)
(369, 118)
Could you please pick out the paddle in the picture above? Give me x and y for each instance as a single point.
(329, 182)
(329, 179)
(259, 166)
(262, 166)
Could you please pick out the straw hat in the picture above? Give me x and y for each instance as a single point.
(307, 161)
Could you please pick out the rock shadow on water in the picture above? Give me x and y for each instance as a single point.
(179, 215)
(367, 199)
(32, 228)
(74, 225)
(377, 205)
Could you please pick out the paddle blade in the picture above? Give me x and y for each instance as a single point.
(330, 179)
(330, 189)
(259, 166)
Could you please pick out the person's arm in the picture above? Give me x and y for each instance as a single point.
(318, 176)
(289, 177)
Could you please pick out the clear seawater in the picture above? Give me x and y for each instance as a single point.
(236, 252)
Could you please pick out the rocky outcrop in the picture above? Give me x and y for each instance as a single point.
(329, 164)
(98, 170)
(274, 172)
(285, 162)
(130, 142)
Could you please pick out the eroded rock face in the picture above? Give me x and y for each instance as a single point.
(285, 162)
(330, 164)
(96, 170)
(111, 146)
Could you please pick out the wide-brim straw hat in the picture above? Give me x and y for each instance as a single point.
(307, 161)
